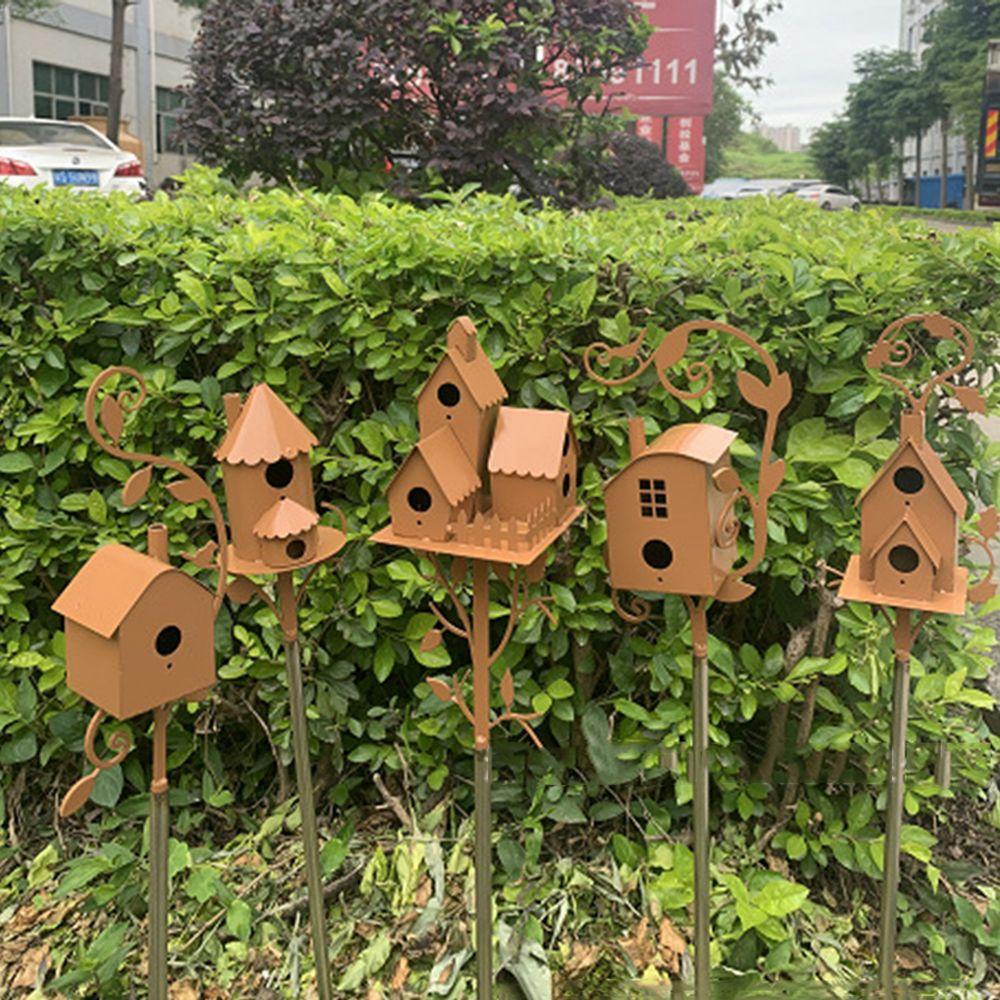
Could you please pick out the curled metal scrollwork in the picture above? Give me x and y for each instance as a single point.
(637, 611)
(106, 425)
(895, 349)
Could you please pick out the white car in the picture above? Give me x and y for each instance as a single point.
(40, 152)
(829, 197)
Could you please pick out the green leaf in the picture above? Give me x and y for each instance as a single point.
(238, 919)
(15, 461)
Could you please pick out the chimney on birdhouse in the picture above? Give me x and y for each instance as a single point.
(636, 437)
(233, 403)
(912, 426)
(462, 336)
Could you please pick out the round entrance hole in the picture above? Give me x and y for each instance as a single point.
(657, 554)
(566, 483)
(908, 480)
(904, 558)
(295, 549)
(449, 394)
(419, 499)
(168, 639)
(279, 474)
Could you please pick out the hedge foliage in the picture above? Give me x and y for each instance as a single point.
(341, 305)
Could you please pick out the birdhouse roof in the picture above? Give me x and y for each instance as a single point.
(285, 519)
(924, 456)
(265, 431)
(449, 465)
(924, 540)
(529, 442)
(108, 586)
(704, 443)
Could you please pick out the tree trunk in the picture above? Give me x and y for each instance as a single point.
(918, 167)
(118, 8)
(902, 174)
(970, 175)
(944, 163)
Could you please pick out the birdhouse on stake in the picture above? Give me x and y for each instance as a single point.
(269, 488)
(672, 528)
(493, 487)
(669, 512)
(912, 510)
(139, 633)
(482, 476)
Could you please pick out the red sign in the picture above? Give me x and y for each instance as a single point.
(686, 149)
(650, 128)
(677, 73)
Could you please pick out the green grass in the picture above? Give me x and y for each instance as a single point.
(754, 157)
(947, 214)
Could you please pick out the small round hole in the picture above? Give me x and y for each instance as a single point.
(419, 499)
(904, 558)
(449, 394)
(279, 474)
(657, 554)
(295, 549)
(168, 640)
(909, 480)
(566, 483)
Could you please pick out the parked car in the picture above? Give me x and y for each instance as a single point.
(746, 192)
(791, 187)
(41, 152)
(829, 197)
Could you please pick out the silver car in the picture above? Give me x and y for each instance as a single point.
(829, 197)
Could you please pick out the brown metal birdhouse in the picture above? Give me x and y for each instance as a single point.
(670, 527)
(463, 393)
(139, 633)
(484, 480)
(533, 461)
(269, 488)
(910, 524)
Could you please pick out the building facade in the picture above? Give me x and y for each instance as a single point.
(54, 63)
(913, 19)
(788, 138)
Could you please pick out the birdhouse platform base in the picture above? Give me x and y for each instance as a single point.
(510, 557)
(329, 542)
(855, 589)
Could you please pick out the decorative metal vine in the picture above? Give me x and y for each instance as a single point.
(771, 397)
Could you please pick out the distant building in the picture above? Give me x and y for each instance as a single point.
(913, 19)
(788, 138)
(54, 63)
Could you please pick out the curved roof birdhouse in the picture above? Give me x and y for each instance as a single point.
(666, 511)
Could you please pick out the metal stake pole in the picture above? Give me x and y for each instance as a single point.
(894, 804)
(159, 852)
(481, 713)
(307, 805)
(700, 783)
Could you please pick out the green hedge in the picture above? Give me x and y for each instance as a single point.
(342, 306)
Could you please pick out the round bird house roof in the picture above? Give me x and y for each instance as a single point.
(285, 519)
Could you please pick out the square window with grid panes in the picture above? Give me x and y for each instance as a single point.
(63, 93)
(653, 498)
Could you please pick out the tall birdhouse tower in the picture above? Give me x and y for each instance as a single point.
(269, 486)
(464, 394)
(910, 522)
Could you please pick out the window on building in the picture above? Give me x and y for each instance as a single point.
(168, 106)
(66, 93)
(653, 498)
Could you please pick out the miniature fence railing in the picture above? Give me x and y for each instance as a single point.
(511, 534)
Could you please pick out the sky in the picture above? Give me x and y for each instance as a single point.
(811, 63)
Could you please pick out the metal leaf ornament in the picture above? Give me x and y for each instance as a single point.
(431, 640)
(440, 688)
(112, 418)
(987, 529)
(136, 486)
